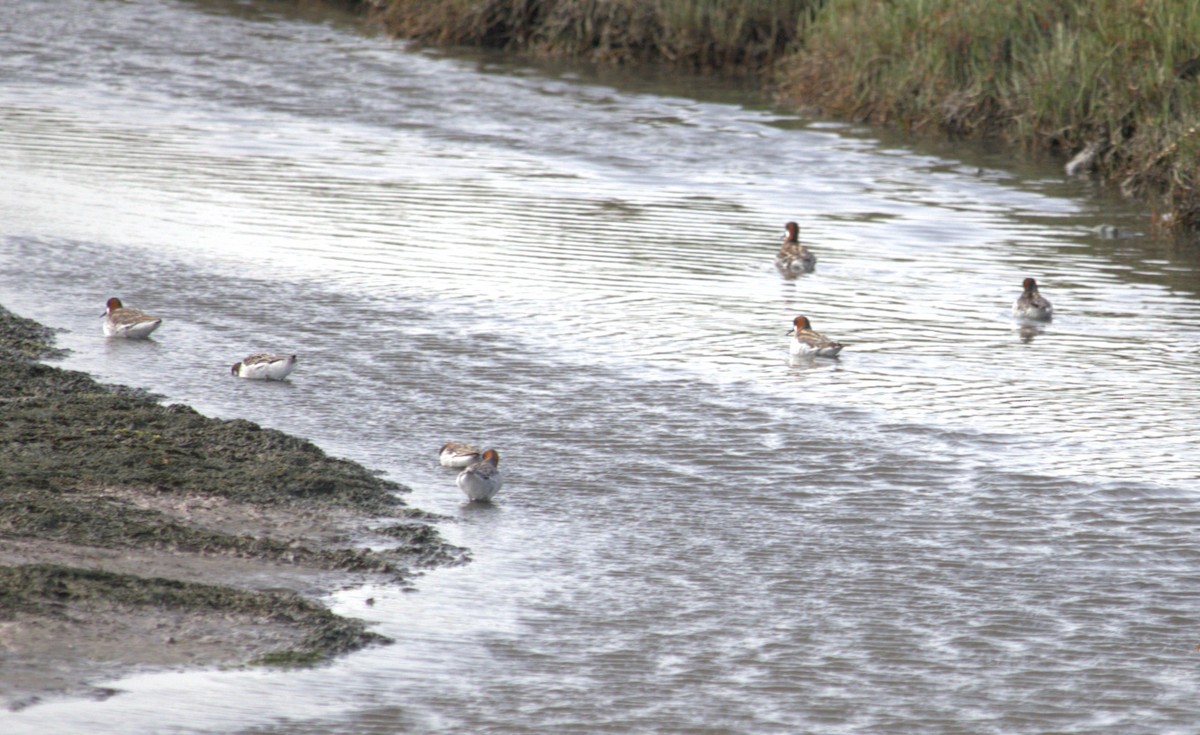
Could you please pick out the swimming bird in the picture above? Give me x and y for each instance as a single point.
(1031, 304)
(265, 366)
(807, 343)
(458, 455)
(793, 258)
(483, 479)
(127, 323)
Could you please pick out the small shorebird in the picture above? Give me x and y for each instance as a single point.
(458, 455)
(264, 366)
(793, 258)
(807, 343)
(483, 479)
(1031, 304)
(127, 323)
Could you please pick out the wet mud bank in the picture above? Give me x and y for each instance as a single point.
(135, 534)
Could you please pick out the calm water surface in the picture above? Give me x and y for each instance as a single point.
(964, 525)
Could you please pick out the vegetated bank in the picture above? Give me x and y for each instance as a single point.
(700, 34)
(136, 534)
(1112, 86)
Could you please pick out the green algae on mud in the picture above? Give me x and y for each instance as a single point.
(121, 518)
(22, 337)
(49, 589)
(64, 430)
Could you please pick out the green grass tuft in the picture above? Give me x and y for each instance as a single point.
(701, 34)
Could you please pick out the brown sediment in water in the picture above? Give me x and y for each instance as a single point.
(134, 534)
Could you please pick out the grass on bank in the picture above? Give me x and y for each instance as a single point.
(700, 34)
(1118, 78)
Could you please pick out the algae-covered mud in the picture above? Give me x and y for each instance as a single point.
(136, 534)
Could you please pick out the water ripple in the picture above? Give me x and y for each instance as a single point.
(964, 524)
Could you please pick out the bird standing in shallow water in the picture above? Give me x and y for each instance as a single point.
(1031, 304)
(793, 258)
(264, 366)
(483, 479)
(807, 343)
(458, 455)
(127, 323)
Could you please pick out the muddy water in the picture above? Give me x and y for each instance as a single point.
(965, 524)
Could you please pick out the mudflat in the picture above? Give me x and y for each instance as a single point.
(136, 535)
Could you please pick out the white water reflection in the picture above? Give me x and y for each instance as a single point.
(957, 522)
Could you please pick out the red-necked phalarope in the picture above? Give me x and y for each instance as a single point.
(264, 366)
(458, 455)
(128, 323)
(1031, 304)
(793, 258)
(807, 343)
(483, 479)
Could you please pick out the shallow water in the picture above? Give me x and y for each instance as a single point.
(965, 524)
